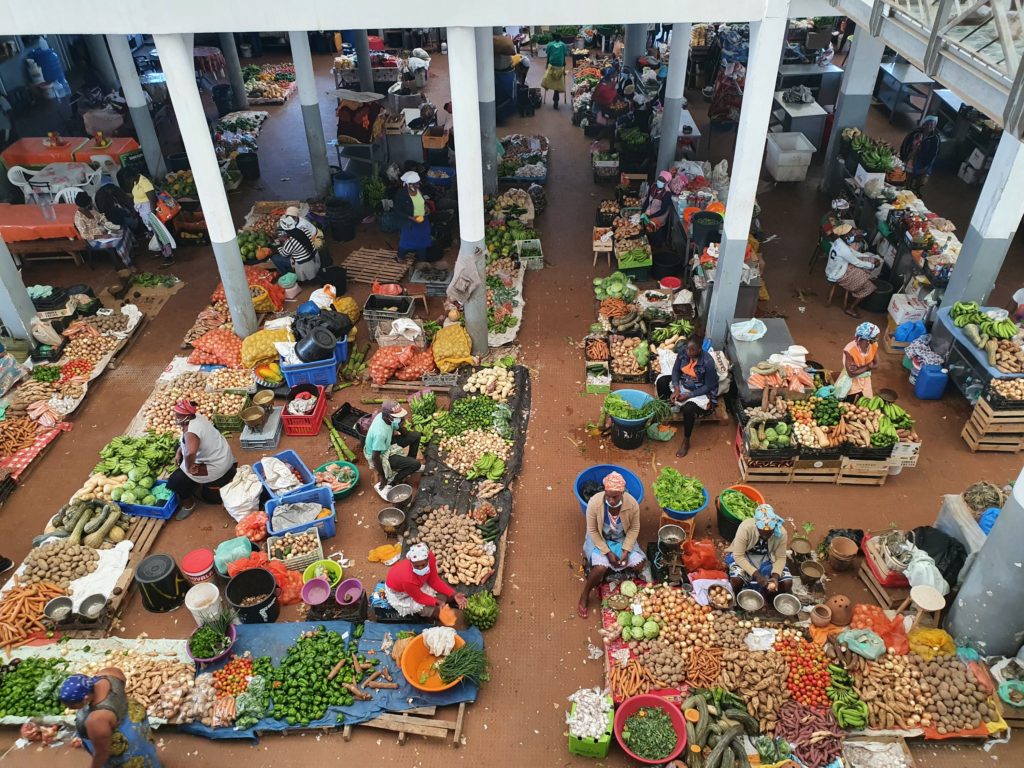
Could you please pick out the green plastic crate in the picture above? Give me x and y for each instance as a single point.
(596, 748)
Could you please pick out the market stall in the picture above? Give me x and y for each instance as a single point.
(29, 232)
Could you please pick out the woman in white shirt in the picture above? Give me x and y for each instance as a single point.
(204, 458)
(851, 272)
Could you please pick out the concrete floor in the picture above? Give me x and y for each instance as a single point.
(539, 649)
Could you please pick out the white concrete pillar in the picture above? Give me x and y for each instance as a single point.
(993, 226)
(176, 59)
(309, 101)
(462, 74)
(635, 44)
(227, 46)
(135, 97)
(364, 65)
(488, 118)
(100, 57)
(16, 307)
(860, 71)
(675, 90)
(766, 39)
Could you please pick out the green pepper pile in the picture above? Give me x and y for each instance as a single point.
(476, 412)
(48, 373)
(826, 412)
(23, 679)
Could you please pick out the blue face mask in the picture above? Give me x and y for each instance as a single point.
(659, 184)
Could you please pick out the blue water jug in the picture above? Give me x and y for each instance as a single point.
(931, 382)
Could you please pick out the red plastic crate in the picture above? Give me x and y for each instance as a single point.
(893, 580)
(306, 426)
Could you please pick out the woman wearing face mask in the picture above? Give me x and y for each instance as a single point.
(657, 207)
(613, 527)
(413, 585)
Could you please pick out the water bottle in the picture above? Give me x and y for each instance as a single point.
(45, 204)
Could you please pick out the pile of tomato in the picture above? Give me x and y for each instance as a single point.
(233, 678)
(808, 671)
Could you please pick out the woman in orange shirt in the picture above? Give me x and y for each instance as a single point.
(860, 358)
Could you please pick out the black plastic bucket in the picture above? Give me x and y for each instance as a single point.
(255, 582)
(666, 263)
(342, 217)
(178, 162)
(878, 301)
(338, 277)
(223, 100)
(248, 165)
(315, 346)
(727, 524)
(161, 583)
(628, 438)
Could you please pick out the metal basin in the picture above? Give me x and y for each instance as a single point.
(92, 607)
(392, 520)
(750, 600)
(58, 609)
(786, 604)
(400, 495)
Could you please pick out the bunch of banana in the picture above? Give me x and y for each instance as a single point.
(998, 329)
(871, 403)
(898, 416)
(966, 310)
(847, 706)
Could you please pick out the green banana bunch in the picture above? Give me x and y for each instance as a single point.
(871, 403)
(998, 329)
(850, 711)
(964, 308)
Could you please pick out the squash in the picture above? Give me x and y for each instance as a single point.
(263, 253)
(83, 518)
(446, 616)
(117, 534)
(95, 540)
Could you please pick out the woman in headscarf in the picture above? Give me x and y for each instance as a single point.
(204, 458)
(413, 584)
(415, 237)
(918, 152)
(298, 247)
(113, 728)
(849, 269)
(657, 208)
(860, 358)
(757, 556)
(613, 528)
(692, 387)
(147, 203)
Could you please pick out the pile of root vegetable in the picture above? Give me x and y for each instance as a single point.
(463, 557)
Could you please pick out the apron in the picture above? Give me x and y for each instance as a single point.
(132, 743)
(846, 384)
(415, 236)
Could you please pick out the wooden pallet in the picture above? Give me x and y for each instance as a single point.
(419, 722)
(756, 474)
(143, 532)
(862, 472)
(365, 265)
(126, 344)
(889, 598)
(808, 471)
(978, 440)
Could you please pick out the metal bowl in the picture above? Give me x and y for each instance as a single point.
(392, 520)
(58, 609)
(92, 607)
(254, 417)
(400, 495)
(787, 604)
(750, 600)
(889, 395)
(264, 398)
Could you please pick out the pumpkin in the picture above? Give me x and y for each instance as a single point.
(262, 254)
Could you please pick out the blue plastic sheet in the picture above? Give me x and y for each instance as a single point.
(273, 640)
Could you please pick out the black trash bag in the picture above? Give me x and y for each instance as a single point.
(589, 489)
(948, 553)
(851, 533)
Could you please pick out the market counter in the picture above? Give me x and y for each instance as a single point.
(746, 354)
(968, 366)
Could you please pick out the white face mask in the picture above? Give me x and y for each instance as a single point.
(421, 571)
(616, 505)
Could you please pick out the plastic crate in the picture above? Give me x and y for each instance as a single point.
(375, 310)
(321, 496)
(305, 426)
(323, 372)
(288, 457)
(341, 351)
(345, 419)
(445, 180)
(303, 561)
(160, 513)
(534, 262)
(231, 422)
(596, 748)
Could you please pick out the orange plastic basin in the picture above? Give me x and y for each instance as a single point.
(418, 666)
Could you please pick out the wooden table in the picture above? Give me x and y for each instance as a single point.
(33, 152)
(115, 150)
(28, 233)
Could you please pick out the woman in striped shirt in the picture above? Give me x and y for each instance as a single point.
(298, 243)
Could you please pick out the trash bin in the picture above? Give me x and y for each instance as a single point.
(342, 217)
(248, 165)
(346, 187)
(178, 162)
(223, 99)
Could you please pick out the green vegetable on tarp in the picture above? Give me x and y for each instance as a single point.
(649, 733)
(469, 661)
(678, 492)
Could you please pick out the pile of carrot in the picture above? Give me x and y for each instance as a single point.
(705, 667)
(630, 680)
(614, 308)
(761, 381)
(21, 612)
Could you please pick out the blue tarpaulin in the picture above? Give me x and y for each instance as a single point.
(273, 640)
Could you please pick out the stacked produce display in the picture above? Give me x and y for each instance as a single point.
(524, 159)
(269, 83)
(513, 246)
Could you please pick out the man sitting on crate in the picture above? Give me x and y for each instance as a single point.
(757, 555)
(386, 428)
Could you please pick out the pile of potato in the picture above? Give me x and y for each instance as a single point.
(728, 630)
(623, 357)
(498, 383)
(1011, 389)
(947, 695)
(462, 557)
(162, 684)
(59, 562)
(1009, 357)
(98, 487)
(293, 545)
(891, 691)
(461, 452)
(759, 677)
(91, 348)
(230, 378)
(116, 323)
(667, 665)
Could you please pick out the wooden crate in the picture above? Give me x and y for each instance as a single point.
(862, 472)
(364, 265)
(889, 598)
(992, 420)
(892, 347)
(749, 471)
(815, 470)
(978, 439)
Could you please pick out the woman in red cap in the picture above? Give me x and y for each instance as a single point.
(204, 458)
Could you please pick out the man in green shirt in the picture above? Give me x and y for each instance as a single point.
(385, 429)
(554, 75)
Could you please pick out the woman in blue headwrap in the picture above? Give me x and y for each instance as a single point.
(757, 555)
(114, 730)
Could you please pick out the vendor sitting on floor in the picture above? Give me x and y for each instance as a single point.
(413, 584)
(757, 555)
(204, 458)
(385, 429)
(613, 526)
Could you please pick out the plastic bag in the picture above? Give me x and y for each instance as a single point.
(387, 360)
(661, 432)
(701, 554)
(863, 642)
(948, 553)
(223, 345)
(891, 631)
(910, 330)
(930, 643)
(233, 551)
(421, 364)
(242, 494)
(290, 583)
(452, 347)
(922, 571)
(260, 346)
(348, 306)
(988, 519)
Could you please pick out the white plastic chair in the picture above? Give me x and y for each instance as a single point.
(67, 195)
(20, 177)
(93, 181)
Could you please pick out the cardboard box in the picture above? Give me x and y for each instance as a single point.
(905, 454)
(970, 175)
(917, 287)
(977, 159)
(435, 137)
(862, 177)
(903, 309)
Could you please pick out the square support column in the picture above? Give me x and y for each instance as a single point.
(766, 39)
(309, 101)
(488, 117)
(176, 59)
(993, 225)
(462, 74)
(675, 87)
